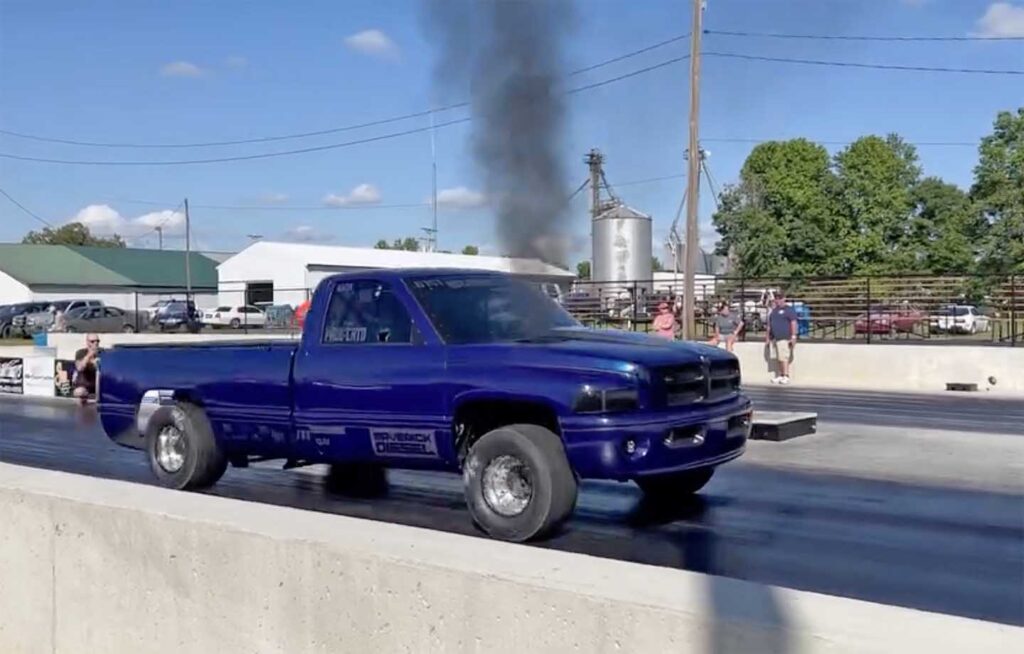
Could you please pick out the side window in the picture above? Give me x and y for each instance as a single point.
(362, 313)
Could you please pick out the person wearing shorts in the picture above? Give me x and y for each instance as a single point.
(781, 337)
(727, 326)
(86, 360)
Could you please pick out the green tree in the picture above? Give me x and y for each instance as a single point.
(408, 244)
(583, 270)
(778, 219)
(876, 177)
(998, 192)
(656, 265)
(945, 229)
(471, 249)
(71, 234)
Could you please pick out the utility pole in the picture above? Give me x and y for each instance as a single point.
(433, 202)
(693, 178)
(188, 256)
(595, 162)
(160, 236)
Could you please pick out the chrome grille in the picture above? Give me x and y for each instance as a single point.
(697, 382)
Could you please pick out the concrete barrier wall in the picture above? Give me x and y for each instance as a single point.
(892, 367)
(67, 344)
(881, 367)
(105, 567)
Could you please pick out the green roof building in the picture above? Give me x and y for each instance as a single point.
(125, 277)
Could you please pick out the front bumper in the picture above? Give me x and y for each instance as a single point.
(628, 446)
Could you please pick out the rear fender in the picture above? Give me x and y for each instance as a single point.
(151, 401)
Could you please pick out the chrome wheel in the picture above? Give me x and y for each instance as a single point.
(507, 486)
(170, 449)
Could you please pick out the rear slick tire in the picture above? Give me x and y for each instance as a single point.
(182, 450)
(518, 482)
(675, 486)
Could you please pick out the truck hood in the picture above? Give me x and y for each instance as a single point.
(603, 349)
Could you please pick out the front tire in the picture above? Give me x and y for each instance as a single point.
(675, 486)
(183, 453)
(518, 483)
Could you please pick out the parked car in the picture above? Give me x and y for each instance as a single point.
(888, 320)
(154, 309)
(41, 321)
(177, 316)
(470, 372)
(959, 318)
(235, 317)
(9, 312)
(754, 305)
(105, 320)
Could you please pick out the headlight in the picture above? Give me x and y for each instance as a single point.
(593, 400)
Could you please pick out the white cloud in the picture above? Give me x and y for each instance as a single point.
(306, 234)
(362, 194)
(236, 61)
(103, 220)
(460, 197)
(273, 198)
(1001, 19)
(181, 69)
(374, 43)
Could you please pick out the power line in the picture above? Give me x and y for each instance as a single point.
(25, 209)
(755, 141)
(844, 37)
(852, 64)
(321, 148)
(244, 207)
(331, 130)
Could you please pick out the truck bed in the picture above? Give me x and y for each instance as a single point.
(244, 387)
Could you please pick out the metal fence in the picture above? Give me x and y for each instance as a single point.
(907, 309)
(932, 309)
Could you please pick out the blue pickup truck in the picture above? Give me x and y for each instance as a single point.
(453, 370)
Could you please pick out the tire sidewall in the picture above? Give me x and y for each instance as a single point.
(535, 519)
(162, 417)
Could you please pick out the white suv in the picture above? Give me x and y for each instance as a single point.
(235, 317)
(959, 318)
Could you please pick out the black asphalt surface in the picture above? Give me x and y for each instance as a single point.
(937, 549)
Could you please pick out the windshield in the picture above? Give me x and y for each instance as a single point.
(488, 309)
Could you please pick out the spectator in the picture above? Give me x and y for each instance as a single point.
(665, 322)
(781, 337)
(86, 361)
(727, 326)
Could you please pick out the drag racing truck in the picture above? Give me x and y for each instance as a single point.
(469, 372)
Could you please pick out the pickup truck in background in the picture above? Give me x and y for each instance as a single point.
(451, 370)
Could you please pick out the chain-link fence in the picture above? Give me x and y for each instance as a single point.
(933, 309)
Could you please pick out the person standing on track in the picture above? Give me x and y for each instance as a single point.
(781, 337)
(86, 361)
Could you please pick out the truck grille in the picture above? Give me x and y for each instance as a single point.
(697, 382)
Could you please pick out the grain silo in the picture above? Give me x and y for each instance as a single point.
(622, 246)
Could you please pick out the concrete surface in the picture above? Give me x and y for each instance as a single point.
(103, 566)
(891, 367)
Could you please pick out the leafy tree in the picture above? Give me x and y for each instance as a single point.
(945, 228)
(998, 192)
(71, 234)
(471, 249)
(779, 218)
(408, 244)
(583, 270)
(875, 180)
(656, 265)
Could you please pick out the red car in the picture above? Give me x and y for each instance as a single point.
(888, 320)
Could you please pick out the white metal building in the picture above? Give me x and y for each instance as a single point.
(286, 273)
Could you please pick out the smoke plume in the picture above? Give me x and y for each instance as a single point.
(510, 52)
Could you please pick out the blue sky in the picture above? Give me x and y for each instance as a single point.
(194, 71)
